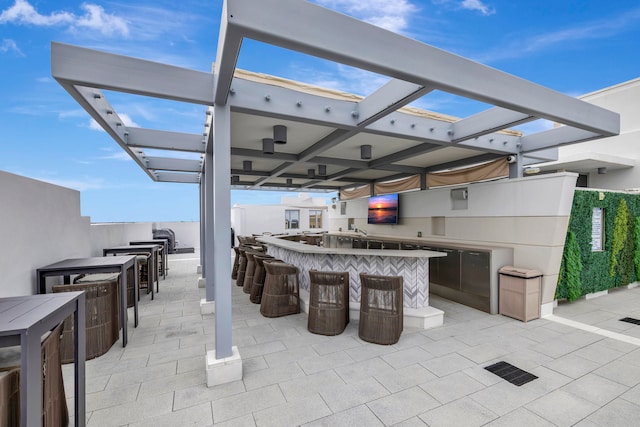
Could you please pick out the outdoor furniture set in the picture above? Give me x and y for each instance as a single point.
(274, 285)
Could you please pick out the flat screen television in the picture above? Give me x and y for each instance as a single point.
(383, 209)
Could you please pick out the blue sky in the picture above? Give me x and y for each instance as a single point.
(574, 47)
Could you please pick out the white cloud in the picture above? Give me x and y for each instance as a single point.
(393, 16)
(477, 5)
(594, 30)
(94, 18)
(9, 45)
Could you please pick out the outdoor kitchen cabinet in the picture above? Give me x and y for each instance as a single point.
(468, 275)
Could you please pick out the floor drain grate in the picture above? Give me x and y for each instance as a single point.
(508, 372)
(630, 320)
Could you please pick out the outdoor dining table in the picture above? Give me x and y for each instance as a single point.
(117, 264)
(152, 250)
(23, 321)
(165, 251)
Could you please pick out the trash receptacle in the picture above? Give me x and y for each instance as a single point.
(520, 292)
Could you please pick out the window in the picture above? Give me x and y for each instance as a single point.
(315, 219)
(291, 219)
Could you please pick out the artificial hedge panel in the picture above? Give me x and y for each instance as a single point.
(613, 266)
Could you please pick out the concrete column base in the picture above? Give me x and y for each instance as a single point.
(223, 371)
(202, 282)
(207, 307)
(547, 308)
(199, 269)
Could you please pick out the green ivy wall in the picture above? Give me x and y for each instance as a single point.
(583, 271)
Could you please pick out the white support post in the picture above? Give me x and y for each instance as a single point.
(224, 363)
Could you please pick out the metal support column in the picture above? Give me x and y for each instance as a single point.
(209, 261)
(203, 249)
(221, 273)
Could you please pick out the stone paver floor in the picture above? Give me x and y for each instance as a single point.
(432, 377)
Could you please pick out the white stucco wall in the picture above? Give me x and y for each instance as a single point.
(624, 99)
(107, 235)
(187, 232)
(40, 224)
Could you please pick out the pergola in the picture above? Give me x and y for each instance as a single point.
(322, 128)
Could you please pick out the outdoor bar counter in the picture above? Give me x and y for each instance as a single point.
(412, 265)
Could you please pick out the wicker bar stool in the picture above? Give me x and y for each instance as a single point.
(236, 264)
(328, 302)
(102, 331)
(55, 412)
(242, 266)
(258, 277)
(249, 272)
(281, 293)
(381, 302)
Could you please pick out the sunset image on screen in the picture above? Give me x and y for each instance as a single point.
(383, 209)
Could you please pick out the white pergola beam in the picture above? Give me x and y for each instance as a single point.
(184, 178)
(393, 95)
(165, 140)
(170, 164)
(327, 34)
(86, 67)
(562, 135)
(229, 42)
(488, 121)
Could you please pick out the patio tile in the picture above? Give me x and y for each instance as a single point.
(109, 398)
(194, 417)
(246, 403)
(619, 372)
(402, 405)
(404, 378)
(121, 379)
(452, 387)
(289, 356)
(595, 389)
(598, 353)
(357, 416)
(173, 383)
(462, 412)
(322, 382)
(520, 417)
(265, 377)
(138, 410)
(335, 344)
(403, 358)
(444, 346)
(293, 413)
(503, 397)
(572, 366)
(361, 370)
(562, 408)
(617, 413)
(250, 351)
(483, 353)
(354, 394)
(311, 365)
(445, 365)
(200, 393)
(245, 421)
